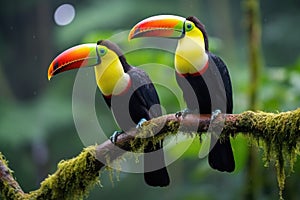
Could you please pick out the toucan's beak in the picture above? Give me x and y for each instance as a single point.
(169, 26)
(83, 55)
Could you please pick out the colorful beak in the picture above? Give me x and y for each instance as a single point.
(169, 26)
(83, 55)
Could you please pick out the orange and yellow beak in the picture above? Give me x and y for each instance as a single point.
(169, 26)
(83, 55)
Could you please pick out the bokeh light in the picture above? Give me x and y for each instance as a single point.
(64, 14)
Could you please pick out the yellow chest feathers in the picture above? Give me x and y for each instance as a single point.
(110, 76)
(190, 55)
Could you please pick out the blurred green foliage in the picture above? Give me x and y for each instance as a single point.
(36, 124)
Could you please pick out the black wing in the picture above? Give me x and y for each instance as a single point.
(145, 94)
(145, 104)
(226, 80)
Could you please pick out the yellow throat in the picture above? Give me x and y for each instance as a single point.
(110, 76)
(190, 55)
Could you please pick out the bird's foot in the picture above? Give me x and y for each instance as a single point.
(215, 114)
(141, 123)
(114, 136)
(185, 112)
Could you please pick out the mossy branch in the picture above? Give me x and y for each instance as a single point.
(279, 133)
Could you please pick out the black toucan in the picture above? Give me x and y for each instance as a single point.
(202, 76)
(127, 90)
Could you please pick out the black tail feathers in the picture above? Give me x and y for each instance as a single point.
(155, 160)
(221, 156)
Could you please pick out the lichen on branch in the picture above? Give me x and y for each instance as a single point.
(9, 188)
(279, 135)
(73, 178)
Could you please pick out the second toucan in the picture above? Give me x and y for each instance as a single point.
(202, 76)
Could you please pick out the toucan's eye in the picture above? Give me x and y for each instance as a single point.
(102, 51)
(189, 26)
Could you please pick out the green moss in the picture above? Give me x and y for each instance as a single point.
(73, 178)
(115, 170)
(4, 161)
(9, 190)
(278, 134)
(149, 130)
(111, 174)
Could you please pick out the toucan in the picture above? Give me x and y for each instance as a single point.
(128, 92)
(202, 76)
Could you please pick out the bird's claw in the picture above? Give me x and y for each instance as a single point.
(114, 136)
(178, 114)
(215, 114)
(141, 123)
(185, 112)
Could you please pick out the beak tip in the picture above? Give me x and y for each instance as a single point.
(131, 34)
(50, 74)
(130, 38)
(49, 77)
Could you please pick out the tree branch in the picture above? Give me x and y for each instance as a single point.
(74, 178)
